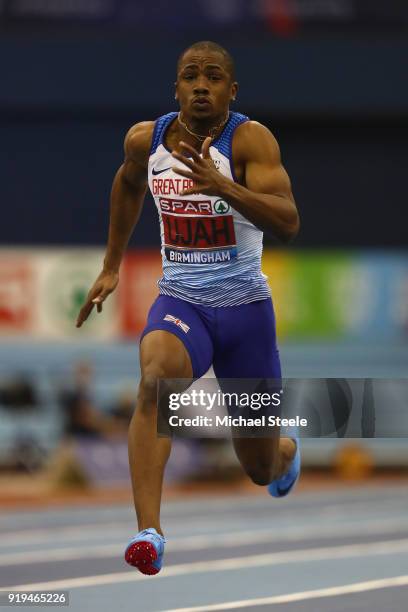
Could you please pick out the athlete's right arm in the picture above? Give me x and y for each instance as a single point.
(128, 192)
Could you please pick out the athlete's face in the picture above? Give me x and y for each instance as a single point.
(204, 88)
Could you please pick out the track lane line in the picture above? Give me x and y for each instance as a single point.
(235, 509)
(347, 589)
(196, 567)
(35, 534)
(232, 539)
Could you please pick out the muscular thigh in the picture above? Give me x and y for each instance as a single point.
(247, 348)
(164, 353)
(162, 356)
(175, 337)
(246, 342)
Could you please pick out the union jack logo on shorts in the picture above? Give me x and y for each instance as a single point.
(177, 322)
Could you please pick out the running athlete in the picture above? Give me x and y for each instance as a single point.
(218, 182)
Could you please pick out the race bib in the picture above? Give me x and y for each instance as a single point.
(198, 232)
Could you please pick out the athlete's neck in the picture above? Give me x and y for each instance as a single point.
(200, 129)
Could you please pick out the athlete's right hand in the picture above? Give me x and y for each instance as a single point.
(103, 286)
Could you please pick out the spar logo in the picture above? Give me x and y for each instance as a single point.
(185, 207)
(221, 207)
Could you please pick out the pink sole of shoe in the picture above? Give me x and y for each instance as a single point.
(142, 555)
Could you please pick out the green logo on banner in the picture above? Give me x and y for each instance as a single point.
(66, 289)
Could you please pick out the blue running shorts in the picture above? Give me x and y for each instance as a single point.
(239, 341)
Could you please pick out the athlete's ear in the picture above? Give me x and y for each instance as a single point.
(175, 93)
(234, 91)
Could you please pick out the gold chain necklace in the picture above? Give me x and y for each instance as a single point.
(200, 137)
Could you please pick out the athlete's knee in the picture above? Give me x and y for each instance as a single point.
(148, 387)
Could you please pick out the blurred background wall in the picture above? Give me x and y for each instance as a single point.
(331, 88)
(327, 77)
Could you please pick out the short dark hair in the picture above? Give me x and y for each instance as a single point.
(211, 46)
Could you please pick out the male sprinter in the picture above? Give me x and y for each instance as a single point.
(217, 181)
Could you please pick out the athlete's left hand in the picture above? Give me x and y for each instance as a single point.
(203, 173)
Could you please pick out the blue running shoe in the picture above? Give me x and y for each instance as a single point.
(145, 551)
(283, 485)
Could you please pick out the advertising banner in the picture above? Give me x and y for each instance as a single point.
(339, 294)
(139, 274)
(16, 294)
(317, 295)
(63, 281)
(42, 290)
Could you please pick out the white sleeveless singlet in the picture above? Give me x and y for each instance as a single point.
(211, 254)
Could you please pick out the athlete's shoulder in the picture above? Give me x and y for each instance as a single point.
(252, 131)
(138, 141)
(253, 139)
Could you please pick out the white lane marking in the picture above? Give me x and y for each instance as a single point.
(172, 510)
(217, 565)
(33, 535)
(301, 532)
(235, 505)
(28, 536)
(201, 542)
(347, 589)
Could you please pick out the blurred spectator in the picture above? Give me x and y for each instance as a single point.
(82, 418)
(18, 393)
(122, 411)
(28, 455)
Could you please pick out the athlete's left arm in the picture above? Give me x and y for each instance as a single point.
(267, 199)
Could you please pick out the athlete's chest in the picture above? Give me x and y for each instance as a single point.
(198, 228)
(233, 167)
(163, 181)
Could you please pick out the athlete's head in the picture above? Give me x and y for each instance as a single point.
(205, 82)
